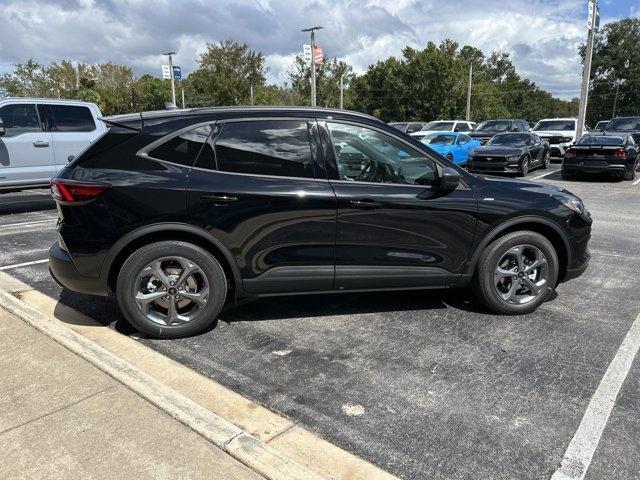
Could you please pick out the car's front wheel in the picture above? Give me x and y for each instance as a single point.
(516, 273)
(524, 166)
(546, 161)
(171, 289)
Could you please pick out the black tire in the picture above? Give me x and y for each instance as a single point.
(525, 164)
(546, 160)
(567, 175)
(483, 281)
(630, 175)
(125, 288)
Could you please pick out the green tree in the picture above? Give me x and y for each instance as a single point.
(327, 80)
(226, 72)
(29, 79)
(615, 67)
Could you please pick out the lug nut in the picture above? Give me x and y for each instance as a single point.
(166, 297)
(164, 289)
(177, 297)
(172, 283)
(180, 288)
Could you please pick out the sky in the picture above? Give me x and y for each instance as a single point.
(542, 36)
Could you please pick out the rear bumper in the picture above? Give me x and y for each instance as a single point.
(66, 275)
(596, 167)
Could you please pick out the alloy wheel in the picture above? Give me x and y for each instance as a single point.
(524, 168)
(171, 290)
(547, 160)
(521, 275)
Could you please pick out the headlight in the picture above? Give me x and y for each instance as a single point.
(513, 159)
(574, 204)
(567, 139)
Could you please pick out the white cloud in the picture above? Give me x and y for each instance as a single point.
(542, 36)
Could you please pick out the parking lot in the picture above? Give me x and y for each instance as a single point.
(423, 384)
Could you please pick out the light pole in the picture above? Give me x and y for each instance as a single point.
(469, 93)
(592, 25)
(173, 83)
(312, 30)
(341, 91)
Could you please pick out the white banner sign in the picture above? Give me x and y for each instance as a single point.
(166, 71)
(306, 53)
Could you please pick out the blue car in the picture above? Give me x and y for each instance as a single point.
(453, 145)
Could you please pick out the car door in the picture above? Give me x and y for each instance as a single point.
(395, 228)
(26, 150)
(465, 143)
(72, 127)
(265, 196)
(537, 149)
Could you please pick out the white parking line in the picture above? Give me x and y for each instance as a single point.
(540, 176)
(636, 182)
(583, 445)
(23, 224)
(25, 264)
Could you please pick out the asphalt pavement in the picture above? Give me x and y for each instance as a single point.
(423, 384)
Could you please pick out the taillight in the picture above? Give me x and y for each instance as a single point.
(571, 152)
(620, 153)
(73, 191)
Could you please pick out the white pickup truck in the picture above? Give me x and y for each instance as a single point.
(559, 132)
(39, 136)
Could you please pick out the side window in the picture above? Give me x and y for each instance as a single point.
(20, 118)
(366, 155)
(462, 139)
(184, 148)
(265, 147)
(71, 118)
(463, 127)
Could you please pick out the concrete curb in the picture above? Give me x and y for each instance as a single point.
(271, 445)
(236, 442)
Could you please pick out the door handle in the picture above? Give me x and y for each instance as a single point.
(40, 144)
(365, 203)
(218, 200)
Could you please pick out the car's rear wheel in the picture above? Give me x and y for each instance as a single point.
(567, 175)
(630, 175)
(516, 273)
(449, 157)
(171, 289)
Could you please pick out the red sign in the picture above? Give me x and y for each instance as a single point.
(318, 59)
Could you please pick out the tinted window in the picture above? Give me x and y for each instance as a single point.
(438, 126)
(600, 140)
(514, 139)
(20, 118)
(463, 127)
(495, 126)
(71, 118)
(269, 147)
(624, 124)
(366, 155)
(414, 127)
(462, 139)
(184, 148)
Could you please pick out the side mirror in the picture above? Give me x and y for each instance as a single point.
(449, 179)
(2, 129)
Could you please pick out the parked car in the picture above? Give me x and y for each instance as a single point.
(613, 155)
(38, 137)
(408, 127)
(449, 126)
(600, 126)
(487, 129)
(510, 152)
(559, 132)
(180, 211)
(455, 146)
(623, 126)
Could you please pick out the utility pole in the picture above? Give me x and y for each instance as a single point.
(312, 30)
(341, 91)
(615, 100)
(173, 81)
(183, 106)
(468, 117)
(251, 93)
(592, 25)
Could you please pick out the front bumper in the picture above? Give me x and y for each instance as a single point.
(576, 271)
(492, 166)
(557, 150)
(66, 275)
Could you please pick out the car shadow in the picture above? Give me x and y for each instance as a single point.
(585, 177)
(13, 202)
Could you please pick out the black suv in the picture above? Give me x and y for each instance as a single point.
(178, 212)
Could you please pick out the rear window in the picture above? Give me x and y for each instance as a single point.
(184, 148)
(438, 126)
(601, 140)
(71, 118)
(553, 125)
(624, 124)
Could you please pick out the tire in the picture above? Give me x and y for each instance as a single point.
(630, 175)
(546, 161)
(488, 284)
(567, 175)
(524, 166)
(449, 157)
(207, 284)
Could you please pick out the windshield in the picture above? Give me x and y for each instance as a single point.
(511, 139)
(600, 140)
(398, 125)
(494, 126)
(624, 124)
(438, 139)
(446, 126)
(601, 125)
(555, 125)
